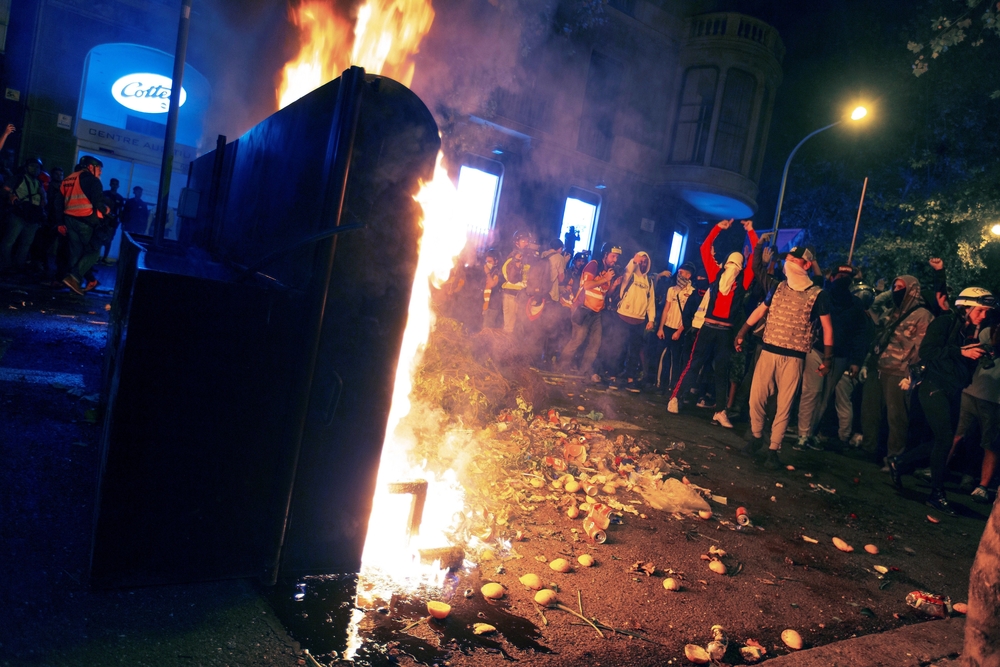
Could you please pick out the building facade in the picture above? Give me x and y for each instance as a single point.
(654, 121)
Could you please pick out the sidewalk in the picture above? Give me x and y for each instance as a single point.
(934, 643)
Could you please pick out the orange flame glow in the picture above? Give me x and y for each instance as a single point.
(386, 35)
(387, 546)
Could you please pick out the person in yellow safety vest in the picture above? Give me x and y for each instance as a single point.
(597, 279)
(83, 211)
(514, 278)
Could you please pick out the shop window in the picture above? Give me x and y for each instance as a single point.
(479, 181)
(675, 255)
(694, 115)
(581, 212)
(734, 121)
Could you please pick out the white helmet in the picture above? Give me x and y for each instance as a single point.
(971, 297)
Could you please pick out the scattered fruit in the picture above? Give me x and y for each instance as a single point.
(532, 581)
(717, 566)
(792, 639)
(789, 467)
(696, 654)
(586, 560)
(483, 629)
(571, 485)
(573, 511)
(492, 591)
(881, 569)
(671, 584)
(545, 597)
(933, 519)
(705, 514)
(438, 610)
(810, 540)
(560, 565)
(871, 548)
(960, 608)
(842, 545)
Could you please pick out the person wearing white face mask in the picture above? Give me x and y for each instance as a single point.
(792, 309)
(713, 343)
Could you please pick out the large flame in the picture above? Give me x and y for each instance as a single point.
(386, 35)
(388, 546)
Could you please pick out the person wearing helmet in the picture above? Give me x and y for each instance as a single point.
(27, 213)
(597, 279)
(83, 211)
(949, 354)
(714, 342)
(980, 403)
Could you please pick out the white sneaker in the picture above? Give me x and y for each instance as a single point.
(722, 419)
(673, 407)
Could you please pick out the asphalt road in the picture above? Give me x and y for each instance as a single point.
(50, 368)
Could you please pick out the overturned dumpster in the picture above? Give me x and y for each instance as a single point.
(249, 370)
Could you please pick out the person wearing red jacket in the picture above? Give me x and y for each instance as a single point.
(714, 341)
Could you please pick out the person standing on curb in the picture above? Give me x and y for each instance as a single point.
(83, 210)
(792, 309)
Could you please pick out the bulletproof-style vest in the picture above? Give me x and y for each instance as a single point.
(789, 321)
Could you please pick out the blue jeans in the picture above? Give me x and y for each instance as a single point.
(586, 327)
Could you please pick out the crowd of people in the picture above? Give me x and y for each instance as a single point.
(56, 227)
(897, 373)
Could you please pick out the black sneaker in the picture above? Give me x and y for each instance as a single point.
(896, 473)
(938, 501)
(752, 447)
(772, 462)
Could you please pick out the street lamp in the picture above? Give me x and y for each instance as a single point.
(995, 230)
(856, 115)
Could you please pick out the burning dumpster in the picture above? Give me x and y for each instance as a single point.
(249, 373)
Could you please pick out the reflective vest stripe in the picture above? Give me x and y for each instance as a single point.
(76, 203)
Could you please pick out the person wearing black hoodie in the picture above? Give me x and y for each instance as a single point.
(849, 347)
(949, 354)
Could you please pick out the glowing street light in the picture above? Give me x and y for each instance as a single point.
(856, 115)
(995, 230)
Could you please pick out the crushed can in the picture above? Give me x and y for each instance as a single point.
(743, 517)
(591, 489)
(594, 532)
(601, 514)
(719, 644)
(555, 463)
(937, 606)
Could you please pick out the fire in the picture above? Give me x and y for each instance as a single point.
(385, 36)
(389, 547)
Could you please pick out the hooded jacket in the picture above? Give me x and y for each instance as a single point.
(941, 351)
(903, 346)
(638, 301)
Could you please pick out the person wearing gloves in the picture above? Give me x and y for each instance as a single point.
(899, 333)
(713, 344)
(637, 309)
(949, 354)
(792, 309)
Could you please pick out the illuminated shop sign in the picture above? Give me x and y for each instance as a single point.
(145, 92)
